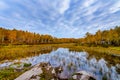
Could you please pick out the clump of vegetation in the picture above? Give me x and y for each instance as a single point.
(104, 78)
(16, 65)
(70, 65)
(46, 75)
(47, 72)
(27, 64)
(10, 73)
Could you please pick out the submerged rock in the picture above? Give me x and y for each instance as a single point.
(83, 75)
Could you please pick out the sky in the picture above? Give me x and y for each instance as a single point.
(60, 18)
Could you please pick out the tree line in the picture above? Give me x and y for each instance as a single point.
(14, 36)
(100, 38)
(103, 38)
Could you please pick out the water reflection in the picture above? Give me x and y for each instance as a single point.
(73, 62)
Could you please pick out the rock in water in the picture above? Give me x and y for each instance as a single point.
(83, 75)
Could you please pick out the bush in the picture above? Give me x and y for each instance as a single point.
(27, 64)
(105, 45)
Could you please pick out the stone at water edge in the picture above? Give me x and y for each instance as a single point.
(29, 74)
(83, 75)
(74, 77)
(36, 71)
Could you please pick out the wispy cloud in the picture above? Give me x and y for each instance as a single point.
(64, 6)
(88, 3)
(3, 5)
(60, 18)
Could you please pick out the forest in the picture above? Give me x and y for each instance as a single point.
(100, 38)
(24, 37)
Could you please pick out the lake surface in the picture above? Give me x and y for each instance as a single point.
(72, 62)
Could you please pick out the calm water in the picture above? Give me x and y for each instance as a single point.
(73, 62)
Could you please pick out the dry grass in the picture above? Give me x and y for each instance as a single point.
(21, 51)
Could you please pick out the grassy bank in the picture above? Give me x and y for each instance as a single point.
(109, 50)
(11, 73)
(20, 51)
(12, 52)
(115, 48)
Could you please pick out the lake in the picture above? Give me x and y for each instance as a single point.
(72, 61)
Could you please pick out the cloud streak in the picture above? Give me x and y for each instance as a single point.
(66, 18)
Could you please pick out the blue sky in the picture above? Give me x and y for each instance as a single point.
(60, 18)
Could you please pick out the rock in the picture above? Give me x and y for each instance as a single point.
(18, 69)
(42, 70)
(58, 69)
(35, 78)
(62, 76)
(53, 71)
(47, 72)
(83, 75)
(29, 74)
(74, 77)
